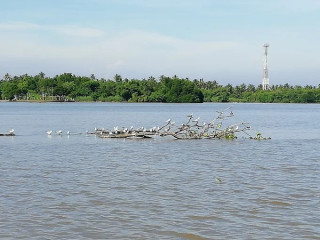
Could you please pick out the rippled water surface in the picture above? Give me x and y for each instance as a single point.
(83, 187)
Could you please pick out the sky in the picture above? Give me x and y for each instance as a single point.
(219, 40)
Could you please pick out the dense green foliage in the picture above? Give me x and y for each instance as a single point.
(68, 87)
(249, 93)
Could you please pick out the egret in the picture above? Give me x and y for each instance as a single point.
(196, 120)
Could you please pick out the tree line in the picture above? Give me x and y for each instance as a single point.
(69, 87)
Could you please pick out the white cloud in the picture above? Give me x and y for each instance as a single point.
(18, 26)
(76, 31)
(29, 48)
(114, 52)
(67, 30)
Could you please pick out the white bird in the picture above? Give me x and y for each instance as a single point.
(49, 132)
(11, 131)
(169, 120)
(59, 132)
(196, 120)
(68, 132)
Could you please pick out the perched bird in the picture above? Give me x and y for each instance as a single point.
(196, 120)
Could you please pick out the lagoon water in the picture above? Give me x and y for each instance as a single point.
(84, 187)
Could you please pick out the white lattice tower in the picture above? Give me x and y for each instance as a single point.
(265, 80)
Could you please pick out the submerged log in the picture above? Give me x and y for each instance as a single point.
(124, 135)
(191, 129)
(11, 133)
(6, 134)
(114, 135)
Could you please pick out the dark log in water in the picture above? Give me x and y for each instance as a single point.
(6, 134)
(191, 129)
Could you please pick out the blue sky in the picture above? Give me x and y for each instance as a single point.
(210, 39)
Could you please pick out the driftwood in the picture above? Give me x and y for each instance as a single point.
(6, 134)
(10, 134)
(126, 133)
(215, 129)
(191, 129)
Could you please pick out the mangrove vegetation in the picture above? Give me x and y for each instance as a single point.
(69, 87)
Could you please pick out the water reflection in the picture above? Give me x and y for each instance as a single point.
(83, 187)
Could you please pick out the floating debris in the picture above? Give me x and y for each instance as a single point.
(11, 133)
(259, 137)
(218, 180)
(192, 129)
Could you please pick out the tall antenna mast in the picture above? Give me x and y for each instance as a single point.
(265, 80)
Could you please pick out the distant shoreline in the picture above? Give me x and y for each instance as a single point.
(40, 101)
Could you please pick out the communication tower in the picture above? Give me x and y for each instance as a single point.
(265, 80)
